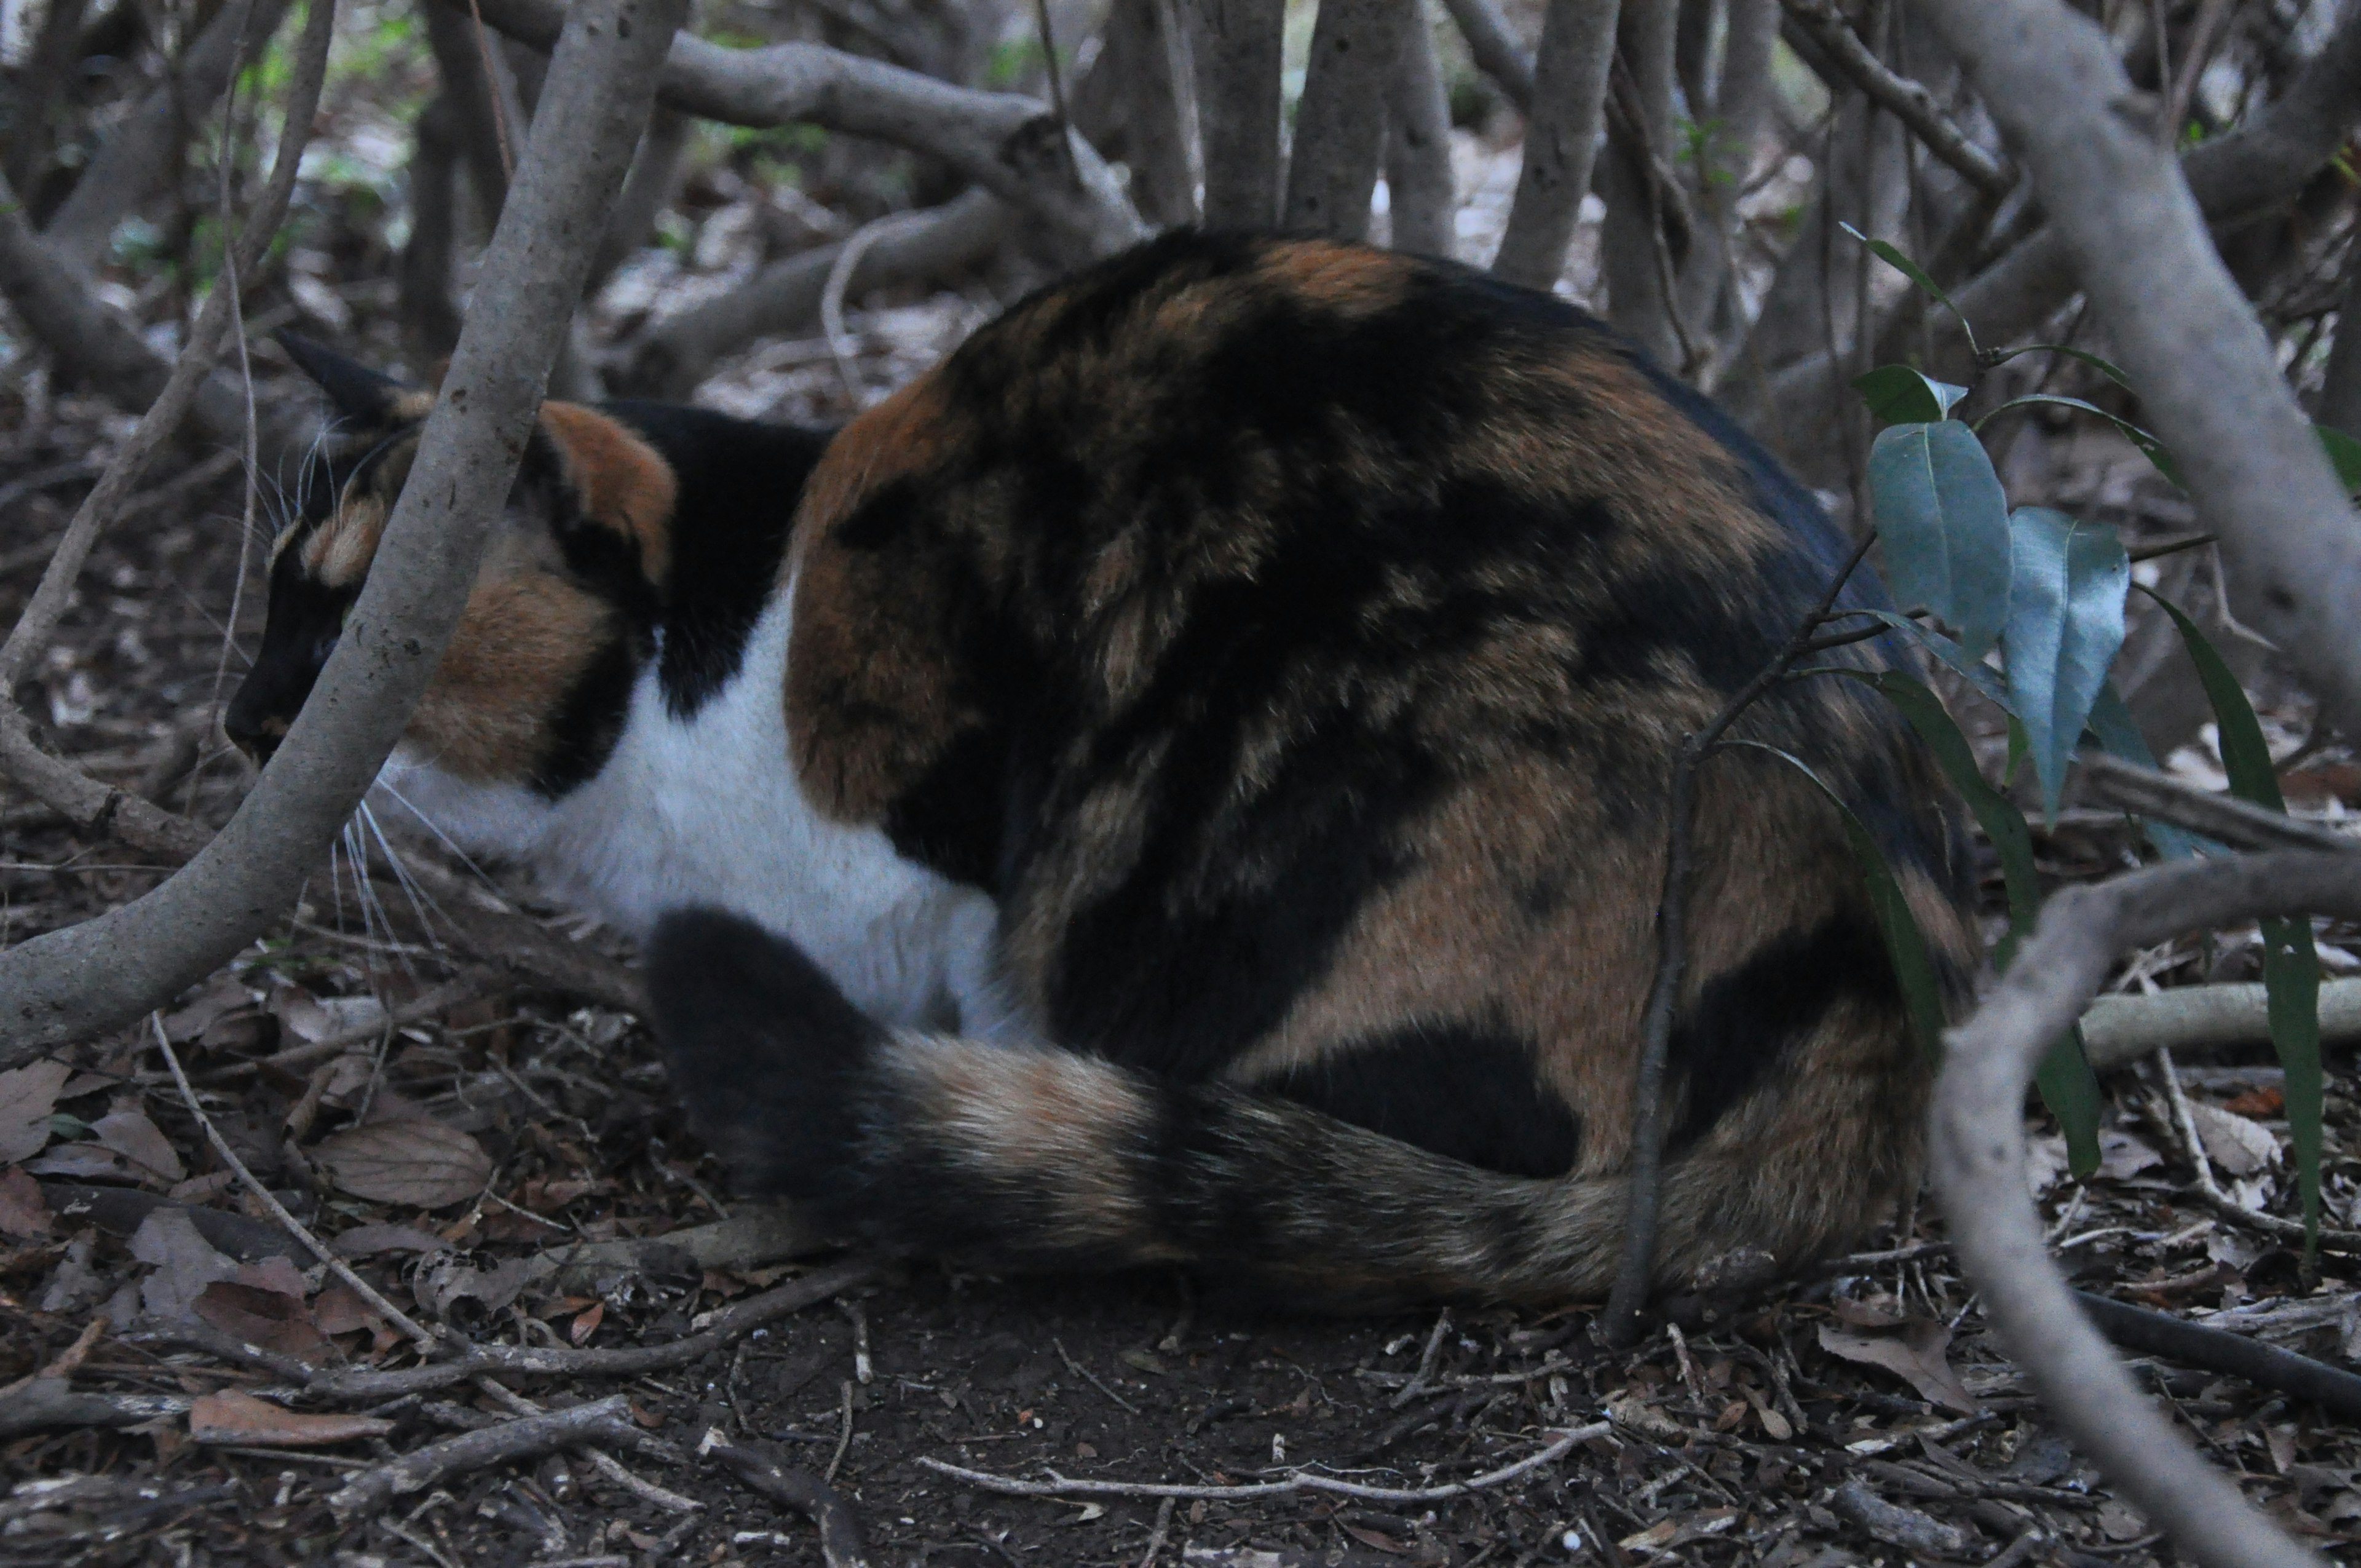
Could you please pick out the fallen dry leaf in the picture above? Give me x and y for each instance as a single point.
(367, 1241)
(130, 1133)
(2239, 1146)
(185, 1263)
(233, 1417)
(27, 1095)
(2268, 1100)
(2123, 1156)
(339, 1310)
(266, 1318)
(226, 994)
(425, 1163)
(23, 1212)
(1880, 1311)
(83, 1162)
(309, 1017)
(1913, 1353)
(586, 1324)
(444, 1285)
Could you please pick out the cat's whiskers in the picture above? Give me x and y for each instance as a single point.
(423, 903)
(449, 845)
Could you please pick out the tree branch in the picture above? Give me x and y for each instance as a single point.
(1979, 1167)
(67, 983)
(1004, 141)
(1340, 122)
(1234, 47)
(2240, 824)
(1422, 195)
(148, 145)
(1568, 86)
(2119, 1030)
(1905, 100)
(2209, 381)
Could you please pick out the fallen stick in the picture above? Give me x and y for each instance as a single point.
(2238, 823)
(49, 1404)
(758, 1465)
(517, 1361)
(608, 1420)
(2218, 1350)
(1059, 1485)
(748, 1238)
(2118, 1030)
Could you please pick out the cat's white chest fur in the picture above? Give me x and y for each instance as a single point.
(708, 811)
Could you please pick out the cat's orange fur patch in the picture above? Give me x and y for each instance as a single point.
(623, 483)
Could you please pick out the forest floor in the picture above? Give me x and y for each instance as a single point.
(463, 1156)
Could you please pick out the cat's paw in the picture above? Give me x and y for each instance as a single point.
(764, 1051)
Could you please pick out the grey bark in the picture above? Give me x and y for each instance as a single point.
(647, 189)
(472, 99)
(1978, 1125)
(2339, 392)
(2252, 170)
(1130, 105)
(673, 355)
(1630, 257)
(146, 148)
(1496, 48)
(1740, 105)
(1004, 142)
(1340, 122)
(41, 84)
(2209, 380)
(1568, 91)
(1422, 196)
(429, 322)
(1234, 48)
(108, 971)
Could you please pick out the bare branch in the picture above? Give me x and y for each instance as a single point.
(760, 1466)
(1133, 104)
(1568, 88)
(601, 1420)
(61, 985)
(1979, 1165)
(1059, 1485)
(2119, 1030)
(1004, 142)
(1497, 52)
(1632, 240)
(148, 145)
(1234, 48)
(1340, 122)
(674, 353)
(1905, 100)
(2209, 381)
(429, 322)
(1422, 196)
(2237, 823)
(473, 92)
(1740, 104)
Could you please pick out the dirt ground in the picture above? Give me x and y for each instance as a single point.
(1865, 1414)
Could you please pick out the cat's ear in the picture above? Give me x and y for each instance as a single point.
(362, 395)
(619, 480)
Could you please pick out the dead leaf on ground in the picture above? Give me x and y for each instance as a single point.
(425, 1163)
(1879, 1311)
(369, 1241)
(83, 1162)
(185, 1263)
(2122, 1156)
(2239, 1146)
(441, 1285)
(226, 994)
(2045, 1163)
(267, 1319)
(130, 1133)
(1915, 1353)
(27, 1095)
(339, 1310)
(230, 1417)
(23, 1212)
(310, 1018)
(2268, 1100)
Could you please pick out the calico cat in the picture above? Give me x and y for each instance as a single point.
(1183, 782)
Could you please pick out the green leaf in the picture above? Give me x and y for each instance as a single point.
(2085, 356)
(1900, 395)
(2118, 736)
(1944, 523)
(1912, 270)
(2344, 456)
(2290, 960)
(2068, 1085)
(2153, 449)
(2065, 627)
(1905, 945)
(2020, 746)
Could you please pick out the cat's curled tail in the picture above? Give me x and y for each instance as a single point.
(1016, 1157)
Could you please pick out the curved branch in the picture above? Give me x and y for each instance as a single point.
(1978, 1152)
(108, 971)
(1004, 141)
(1493, 45)
(2209, 381)
(1905, 100)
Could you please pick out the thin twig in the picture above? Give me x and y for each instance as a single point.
(524, 1438)
(759, 1465)
(1427, 1359)
(428, 1343)
(1155, 1537)
(524, 1361)
(1059, 1485)
(606, 1463)
(1087, 1375)
(1634, 1270)
(1905, 100)
(843, 1433)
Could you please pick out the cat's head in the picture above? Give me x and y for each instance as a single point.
(561, 615)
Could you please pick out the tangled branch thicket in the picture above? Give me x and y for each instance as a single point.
(243, 1027)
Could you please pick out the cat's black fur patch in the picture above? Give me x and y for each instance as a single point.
(1465, 1091)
